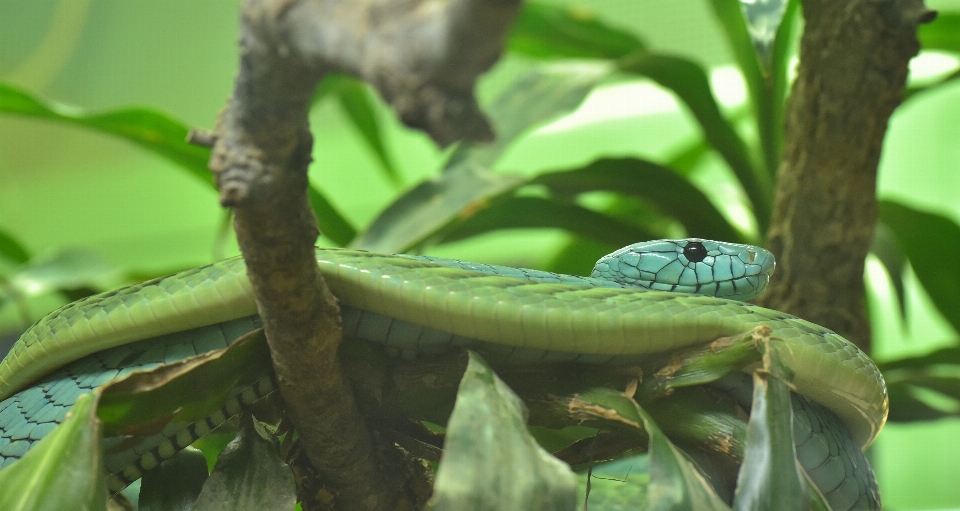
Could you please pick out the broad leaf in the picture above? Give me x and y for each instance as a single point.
(156, 132)
(773, 107)
(490, 461)
(685, 160)
(64, 269)
(616, 486)
(675, 483)
(651, 182)
(689, 82)
(579, 255)
(913, 90)
(431, 205)
(175, 484)
(541, 94)
(148, 128)
(912, 401)
(766, 105)
(546, 31)
(770, 477)
(63, 471)
(466, 183)
(943, 356)
(763, 19)
(924, 387)
(884, 246)
(332, 224)
(213, 443)
(249, 475)
(13, 250)
(183, 391)
(941, 33)
(357, 103)
(535, 212)
(928, 240)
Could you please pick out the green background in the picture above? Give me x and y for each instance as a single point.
(68, 187)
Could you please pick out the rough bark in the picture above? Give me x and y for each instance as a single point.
(853, 69)
(424, 58)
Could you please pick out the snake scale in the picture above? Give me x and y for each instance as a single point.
(646, 298)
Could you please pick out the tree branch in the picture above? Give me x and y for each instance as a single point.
(424, 57)
(853, 69)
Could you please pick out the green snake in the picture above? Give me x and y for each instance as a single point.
(647, 298)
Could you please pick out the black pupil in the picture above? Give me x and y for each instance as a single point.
(694, 252)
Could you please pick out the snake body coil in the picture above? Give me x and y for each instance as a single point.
(420, 305)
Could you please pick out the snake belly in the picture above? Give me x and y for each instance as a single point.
(424, 304)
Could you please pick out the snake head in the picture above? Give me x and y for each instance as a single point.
(691, 265)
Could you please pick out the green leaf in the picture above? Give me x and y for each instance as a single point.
(675, 483)
(770, 477)
(910, 402)
(249, 475)
(941, 356)
(913, 90)
(213, 443)
(617, 485)
(688, 157)
(63, 471)
(943, 33)
(156, 132)
(356, 101)
(928, 240)
(175, 484)
(431, 205)
(332, 224)
(147, 128)
(546, 31)
(771, 107)
(924, 387)
(183, 391)
(70, 268)
(766, 106)
(541, 94)
(692, 417)
(579, 256)
(947, 386)
(885, 247)
(466, 184)
(689, 82)
(535, 212)
(654, 183)
(12, 249)
(490, 461)
(555, 440)
(763, 22)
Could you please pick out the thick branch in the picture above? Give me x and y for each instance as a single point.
(263, 150)
(853, 68)
(424, 57)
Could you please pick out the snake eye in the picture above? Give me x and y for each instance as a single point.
(695, 252)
